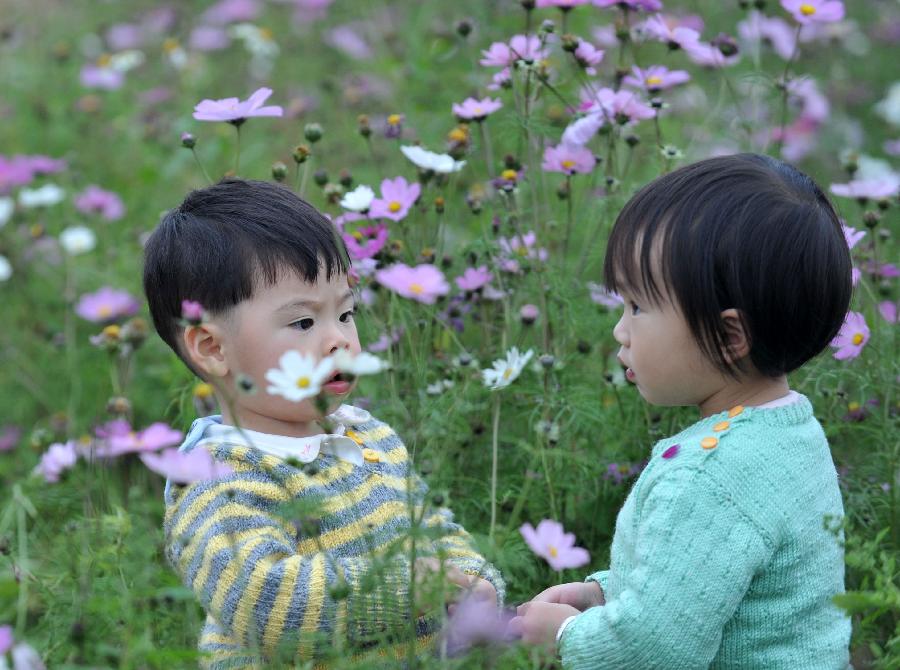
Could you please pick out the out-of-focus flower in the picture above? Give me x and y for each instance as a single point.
(185, 467)
(562, 4)
(606, 105)
(6, 639)
(191, 311)
(298, 376)
(101, 76)
(680, 37)
(655, 78)
(474, 278)
(852, 235)
(852, 337)
(385, 341)
(711, 55)
(45, 196)
(346, 39)
(359, 199)
(476, 110)
(106, 304)
(868, 189)
(888, 311)
(813, 104)
(475, 621)
(231, 11)
(529, 314)
(423, 283)
(501, 79)
(889, 107)
(568, 159)
(646, 5)
(619, 472)
(94, 200)
(506, 370)
(120, 439)
(5, 269)
(587, 56)
(361, 364)
(121, 36)
(603, 296)
(394, 126)
(397, 196)
(259, 44)
(9, 438)
(814, 11)
(553, 544)
(519, 247)
(366, 242)
(773, 31)
(520, 47)
(208, 38)
(77, 240)
(428, 160)
(236, 111)
(24, 657)
(7, 206)
(892, 147)
(56, 460)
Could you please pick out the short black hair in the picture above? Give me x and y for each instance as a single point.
(222, 241)
(747, 232)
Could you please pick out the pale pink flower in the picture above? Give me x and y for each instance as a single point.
(568, 159)
(814, 11)
(655, 78)
(519, 247)
(866, 189)
(236, 111)
(124, 36)
(397, 197)
(679, 37)
(94, 200)
(553, 544)
(603, 296)
(813, 104)
(474, 278)
(852, 235)
(709, 55)
(562, 4)
(474, 621)
(423, 283)
(156, 436)
(773, 31)
(500, 80)
(852, 337)
(179, 467)
(646, 5)
(348, 40)
(888, 311)
(191, 311)
(366, 242)
(208, 38)
(520, 47)
(588, 56)
(56, 460)
(231, 11)
(101, 76)
(619, 106)
(476, 110)
(106, 304)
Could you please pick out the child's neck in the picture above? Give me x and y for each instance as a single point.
(266, 424)
(748, 391)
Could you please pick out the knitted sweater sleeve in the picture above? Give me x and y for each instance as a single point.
(695, 554)
(242, 563)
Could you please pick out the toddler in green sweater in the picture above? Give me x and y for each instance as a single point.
(734, 272)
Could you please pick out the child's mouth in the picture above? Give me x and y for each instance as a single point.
(339, 384)
(629, 374)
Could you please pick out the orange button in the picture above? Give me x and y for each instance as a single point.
(709, 442)
(734, 411)
(371, 455)
(722, 425)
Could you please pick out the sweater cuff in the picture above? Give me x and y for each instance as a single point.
(601, 577)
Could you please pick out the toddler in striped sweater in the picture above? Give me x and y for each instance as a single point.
(302, 550)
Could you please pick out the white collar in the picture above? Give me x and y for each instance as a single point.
(304, 449)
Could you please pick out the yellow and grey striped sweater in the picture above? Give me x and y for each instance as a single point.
(275, 586)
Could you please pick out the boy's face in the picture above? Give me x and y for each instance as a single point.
(314, 319)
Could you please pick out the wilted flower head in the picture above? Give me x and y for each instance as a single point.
(94, 200)
(298, 376)
(423, 283)
(552, 543)
(106, 304)
(852, 337)
(236, 111)
(506, 370)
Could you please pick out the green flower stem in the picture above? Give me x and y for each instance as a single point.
(305, 179)
(237, 154)
(488, 149)
(200, 165)
(495, 454)
(784, 91)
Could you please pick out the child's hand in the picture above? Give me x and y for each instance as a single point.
(470, 585)
(537, 623)
(580, 595)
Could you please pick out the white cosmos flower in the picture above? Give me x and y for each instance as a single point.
(6, 209)
(127, 60)
(298, 376)
(78, 240)
(428, 160)
(5, 269)
(506, 370)
(46, 195)
(362, 363)
(359, 199)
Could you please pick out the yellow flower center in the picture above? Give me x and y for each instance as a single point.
(112, 332)
(807, 9)
(358, 236)
(203, 390)
(478, 111)
(654, 81)
(395, 206)
(170, 45)
(554, 552)
(507, 373)
(853, 406)
(266, 34)
(457, 135)
(105, 311)
(103, 60)
(858, 338)
(416, 288)
(509, 175)
(393, 120)
(303, 383)
(522, 251)
(568, 163)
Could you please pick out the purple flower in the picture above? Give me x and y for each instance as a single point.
(619, 472)
(562, 4)
(709, 55)
(9, 437)
(519, 247)
(231, 11)
(366, 242)
(475, 621)
(852, 337)
(773, 31)
(655, 78)
(501, 79)
(107, 304)
(397, 196)
(476, 110)
(886, 308)
(568, 159)
(866, 189)
(552, 543)
(56, 460)
(423, 283)
(156, 436)
(191, 311)
(101, 76)
(646, 5)
(124, 36)
(588, 56)
(814, 11)
(94, 200)
(6, 639)
(348, 40)
(602, 296)
(474, 278)
(236, 111)
(385, 341)
(852, 235)
(520, 47)
(678, 37)
(208, 38)
(185, 468)
(620, 106)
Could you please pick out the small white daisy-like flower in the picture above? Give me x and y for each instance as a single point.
(428, 160)
(359, 199)
(361, 364)
(506, 370)
(5, 269)
(78, 240)
(45, 196)
(298, 377)
(7, 205)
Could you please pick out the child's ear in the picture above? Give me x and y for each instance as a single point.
(737, 342)
(204, 346)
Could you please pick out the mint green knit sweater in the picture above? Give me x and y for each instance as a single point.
(721, 558)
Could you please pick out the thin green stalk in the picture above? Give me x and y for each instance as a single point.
(495, 455)
(237, 154)
(488, 149)
(202, 169)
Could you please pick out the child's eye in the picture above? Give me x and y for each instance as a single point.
(635, 309)
(346, 317)
(303, 324)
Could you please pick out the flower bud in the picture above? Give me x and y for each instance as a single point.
(548, 27)
(871, 218)
(279, 171)
(320, 177)
(363, 126)
(632, 140)
(301, 153)
(439, 204)
(463, 28)
(345, 178)
(529, 314)
(570, 43)
(547, 361)
(312, 132)
(188, 141)
(726, 44)
(119, 406)
(583, 347)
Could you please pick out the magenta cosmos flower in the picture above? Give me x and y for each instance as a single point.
(888, 311)
(366, 242)
(236, 111)
(94, 200)
(474, 278)
(814, 11)
(6, 639)
(476, 110)
(552, 543)
(852, 337)
(646, 5)
(118, 438)
(185, 467)
(655, 78)
(568, 159)
(397, 196)
(423, 282)
(520, 47)
(107, 304)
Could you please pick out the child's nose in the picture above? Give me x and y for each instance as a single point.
(620, 332)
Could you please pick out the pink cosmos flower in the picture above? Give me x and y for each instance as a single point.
(813, 104)
(646, 5)
(773, 31)
(9, 437)
(6, 639)
(814, 11)
(94, 200)
(568, 159)
(423, 283)
(56, 460)
(852, 235)
(519, 247)
(562, 4)
(208, 38)
(397, 196)
(39, 164)
(888, 311)
(866, 189)
(603, 296)
(366, 242)
(852, 337)
(231, 11)
(476, 110)
(709, 55)
(120, 439)
(679, 37)
(620, 106)
(655, 78)
(348, 40)
(191, 311)
(236, 111)
(100, 76)
(588, 56)
(552, 543)
(107, 304)
(472, 622)
(500, 80)
(185, 468)
(123, 36)
(474, 278)
(520, 47)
